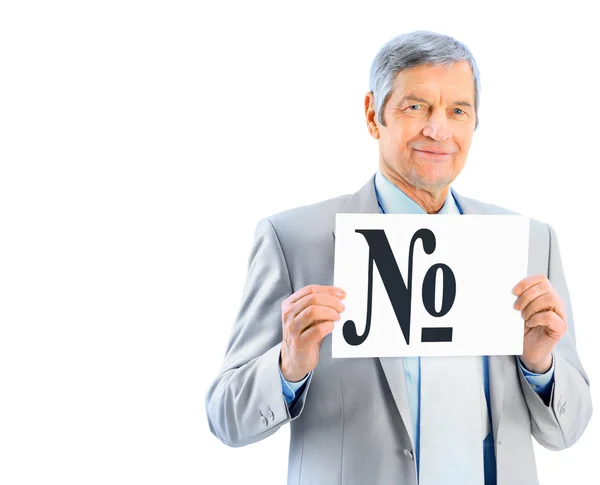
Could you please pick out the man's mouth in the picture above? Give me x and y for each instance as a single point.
(435, 155)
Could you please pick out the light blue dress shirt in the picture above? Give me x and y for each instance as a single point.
(392, 200)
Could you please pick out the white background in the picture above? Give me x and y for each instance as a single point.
(141, 142)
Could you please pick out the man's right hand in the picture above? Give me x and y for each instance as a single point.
(307, 316)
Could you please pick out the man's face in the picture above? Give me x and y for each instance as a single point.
(430, 120)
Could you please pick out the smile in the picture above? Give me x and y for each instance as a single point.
(436, 157)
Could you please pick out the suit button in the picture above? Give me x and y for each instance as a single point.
(409, 454)
(263, 420)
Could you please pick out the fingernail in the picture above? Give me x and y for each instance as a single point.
(517, 290)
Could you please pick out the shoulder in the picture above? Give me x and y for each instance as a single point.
(302, 227)
(539, 230)
(479, 207)
(308, 219)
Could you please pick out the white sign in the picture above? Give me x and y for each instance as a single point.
(419, 285)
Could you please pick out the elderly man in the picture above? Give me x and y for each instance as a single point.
(385, 421)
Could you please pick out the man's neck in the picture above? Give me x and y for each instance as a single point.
(431, 201)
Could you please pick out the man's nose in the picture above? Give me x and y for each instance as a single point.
(437, 127)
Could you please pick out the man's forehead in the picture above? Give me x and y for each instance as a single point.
(423, 92)
(427, 81)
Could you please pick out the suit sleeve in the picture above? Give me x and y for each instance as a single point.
(245, 402)
(292, 390)
(540, 383)
(560, 424)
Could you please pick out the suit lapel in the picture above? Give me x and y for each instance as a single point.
(362, 202)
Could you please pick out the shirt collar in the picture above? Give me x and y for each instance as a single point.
(393, 201)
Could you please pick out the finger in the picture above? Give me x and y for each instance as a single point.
(541, 319)
(320, 299)
(531, 294)
(554, 325)
(313, 289)
(544, 302)
(316, 299)
(317, 332)
(526, 283)
(312, 314)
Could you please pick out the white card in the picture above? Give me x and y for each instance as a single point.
(447, 293)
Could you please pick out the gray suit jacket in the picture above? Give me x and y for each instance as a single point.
(352, 424)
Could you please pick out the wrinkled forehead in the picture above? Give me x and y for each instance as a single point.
(448, 81)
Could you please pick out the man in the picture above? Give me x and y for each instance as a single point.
(378, 421)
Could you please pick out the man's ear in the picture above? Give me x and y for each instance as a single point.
(372, 124)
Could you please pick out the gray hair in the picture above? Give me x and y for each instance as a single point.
(411, 50)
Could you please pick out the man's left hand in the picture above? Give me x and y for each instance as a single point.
(545, 315)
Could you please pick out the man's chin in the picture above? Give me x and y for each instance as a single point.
(431, 184)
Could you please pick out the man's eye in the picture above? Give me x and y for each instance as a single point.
(458, 111)
(414, 106)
